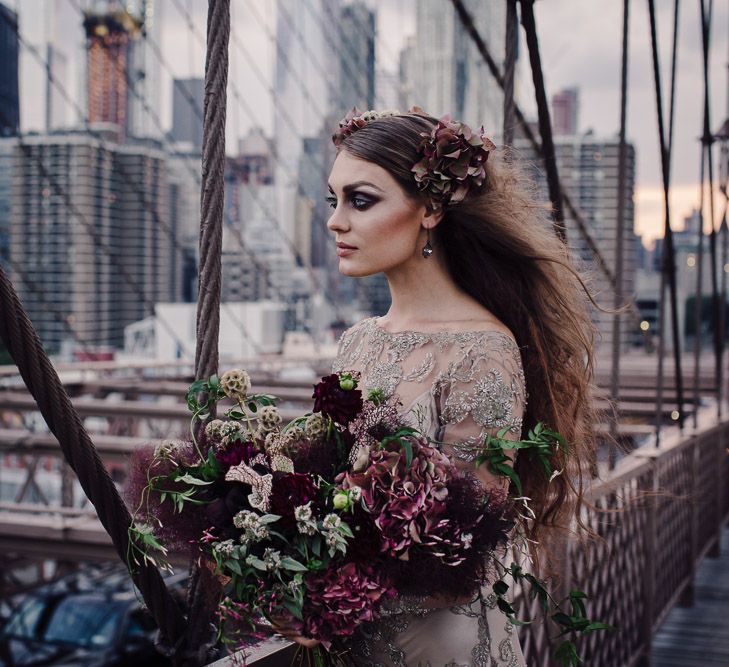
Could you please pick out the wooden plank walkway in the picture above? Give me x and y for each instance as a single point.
(699, 635)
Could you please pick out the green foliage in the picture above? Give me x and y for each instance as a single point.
(541, 443)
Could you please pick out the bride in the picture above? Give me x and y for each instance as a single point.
(487, 329)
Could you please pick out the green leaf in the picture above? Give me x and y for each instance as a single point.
(288, 563)
(234, 566)
(252, 406)
(268, 518)
(189, 479)
(500, 587)
(295, 609)
(346, 530)
(566, 653)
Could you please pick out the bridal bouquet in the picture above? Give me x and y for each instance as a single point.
(319, 521)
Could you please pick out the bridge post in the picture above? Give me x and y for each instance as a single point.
(687, 596)
(721, 482)
(649, 560)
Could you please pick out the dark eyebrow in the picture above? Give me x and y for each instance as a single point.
(357, 184)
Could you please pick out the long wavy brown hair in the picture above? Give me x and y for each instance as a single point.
(500, 248)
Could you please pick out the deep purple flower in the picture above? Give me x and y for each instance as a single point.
(342, 405)
(289, 492)
(340, 599)
(236, 452)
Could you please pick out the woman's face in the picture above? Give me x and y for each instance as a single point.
(374, 217)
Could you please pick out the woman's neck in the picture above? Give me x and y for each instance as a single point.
(423, 291)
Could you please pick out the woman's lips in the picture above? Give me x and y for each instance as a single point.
(343, 249)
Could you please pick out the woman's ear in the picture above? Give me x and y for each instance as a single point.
(433, 214)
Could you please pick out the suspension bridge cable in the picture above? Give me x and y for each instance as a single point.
(619, 241)
(545, 126)
(698, 292)
(668, 261)
(205, 588)
(512, 44)
(708, 139)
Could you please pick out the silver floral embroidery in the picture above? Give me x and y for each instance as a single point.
(483, 382)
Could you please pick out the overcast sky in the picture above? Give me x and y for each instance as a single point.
(579, 41)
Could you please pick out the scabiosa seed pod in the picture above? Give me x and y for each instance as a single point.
(269, 417)
(236, 384)
(316, 426)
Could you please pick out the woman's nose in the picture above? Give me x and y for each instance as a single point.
(337, 221)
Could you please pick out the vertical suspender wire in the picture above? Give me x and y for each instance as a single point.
(619, 242)
(708, 140)
(698, 294)
(545, 127)
(512, 40)
(205, 589)
(668, 262)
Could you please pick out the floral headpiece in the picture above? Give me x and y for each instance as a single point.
(453, 155)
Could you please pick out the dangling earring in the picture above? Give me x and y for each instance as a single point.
(427, 248)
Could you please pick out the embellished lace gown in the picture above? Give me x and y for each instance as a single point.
(455, 387)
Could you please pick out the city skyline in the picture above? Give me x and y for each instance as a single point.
(588, 58)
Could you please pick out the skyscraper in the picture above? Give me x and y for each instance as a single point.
(88, 218)
(357, 57)
(55, 103)
(108, 46)
(442, 70)
(9, 97)
(565, 105)
(188, 96)
(588, 170)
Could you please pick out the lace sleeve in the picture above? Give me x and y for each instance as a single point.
(480, 392)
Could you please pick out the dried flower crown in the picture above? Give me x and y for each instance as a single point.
(453, 155)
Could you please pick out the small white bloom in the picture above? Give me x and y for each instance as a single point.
(271, 558)
(213, 428)
(331, 522)
(303, 512)
(225, 548)
(467, 539)
(306, 527)
(355, 493)
(245, 519)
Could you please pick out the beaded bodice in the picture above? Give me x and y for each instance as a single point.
(455, 386)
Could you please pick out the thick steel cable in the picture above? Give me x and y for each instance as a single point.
(545, 125)
(708, 140)
(45, 386)
(668, 261)
(576, 216)
(512, 41)
(619, 239)
(698, 293)
(205, 589)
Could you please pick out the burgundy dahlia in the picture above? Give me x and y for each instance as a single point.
(236, 452)
(342, 405)
(291, 491)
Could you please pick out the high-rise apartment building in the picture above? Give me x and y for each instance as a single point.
(109, 35)
(442, 70)
(9, 97)
(187, 111)
(588, 171)
(565, 105)
(357, 57)
(90, 223)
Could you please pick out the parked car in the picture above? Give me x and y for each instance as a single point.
(92, 618)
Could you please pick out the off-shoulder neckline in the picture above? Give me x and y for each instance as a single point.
(374, 322)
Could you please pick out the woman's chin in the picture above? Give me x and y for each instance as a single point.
(353, 271)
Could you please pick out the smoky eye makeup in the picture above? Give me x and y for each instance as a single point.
(358, 200)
